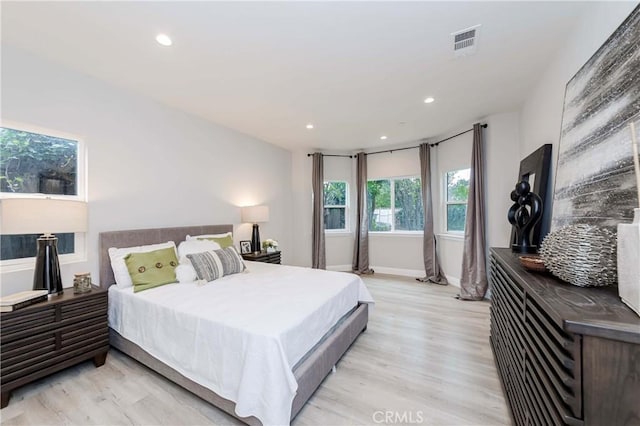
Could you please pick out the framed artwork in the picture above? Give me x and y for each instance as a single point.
(595, 182)
(245, 247)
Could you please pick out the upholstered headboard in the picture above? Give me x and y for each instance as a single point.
(141, 237)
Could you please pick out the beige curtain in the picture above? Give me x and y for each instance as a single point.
(434, 273)
(473, 282)
(361, 246)
(318, 257)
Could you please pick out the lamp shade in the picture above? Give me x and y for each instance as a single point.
(42, 215)
(255, 214)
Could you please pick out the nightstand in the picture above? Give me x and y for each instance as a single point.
(50, 336)
(263, 256)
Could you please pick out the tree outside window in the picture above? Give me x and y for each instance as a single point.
(457, 193)
(395, 205)
(335, 205)
(34, 163)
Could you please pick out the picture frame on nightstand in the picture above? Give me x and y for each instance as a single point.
(245, 247)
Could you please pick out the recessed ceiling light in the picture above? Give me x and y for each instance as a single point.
(309, 126)
(383, 137)
(429, 100)
(164, 40)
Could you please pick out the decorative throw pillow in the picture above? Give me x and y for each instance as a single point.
(152, 269)
(215, 264)
(117, 255)
(185, 272)
(196, 246)
(197, 237)
(231, 261)
(225, 240)
(207, 265)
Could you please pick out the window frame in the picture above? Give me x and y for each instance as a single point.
(345, 207)
(446, 203)
(80, 238)
(392, 192)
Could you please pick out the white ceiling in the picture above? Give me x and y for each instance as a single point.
(355, 70)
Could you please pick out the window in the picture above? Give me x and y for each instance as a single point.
(395, 205)
(35, 163)
(335, 206)
(457, 192)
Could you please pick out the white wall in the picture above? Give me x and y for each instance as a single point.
(149, 165)
(541, 115)
(302, 208)
(502, 157)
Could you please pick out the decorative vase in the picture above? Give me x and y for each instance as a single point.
(271, 249)
(582, 255)
(629, 262)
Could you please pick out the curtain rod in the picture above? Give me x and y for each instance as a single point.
(334, 155)
(484, 126)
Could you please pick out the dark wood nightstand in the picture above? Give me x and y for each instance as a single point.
(50, 336)
(263, 256)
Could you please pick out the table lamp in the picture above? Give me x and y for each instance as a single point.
(35, 215)
(255, 214)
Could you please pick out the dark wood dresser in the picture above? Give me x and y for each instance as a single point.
(263, 256)
(565, 354)
(49, 336)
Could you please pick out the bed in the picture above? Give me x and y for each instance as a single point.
(306, 370)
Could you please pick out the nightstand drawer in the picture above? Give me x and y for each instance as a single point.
(20, 350)
(263, 257)
(90, 306)
(27, 321)
(76, 337)
(49, 336)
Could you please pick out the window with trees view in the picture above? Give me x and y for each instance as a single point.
(457, 191)
(395, 205)
(34, 163)
(335, 205)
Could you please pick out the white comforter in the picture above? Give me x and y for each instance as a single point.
(241, 335)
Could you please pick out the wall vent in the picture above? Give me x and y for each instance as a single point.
(465, 41)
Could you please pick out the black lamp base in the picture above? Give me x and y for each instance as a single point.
(47, 273)
(255, 239)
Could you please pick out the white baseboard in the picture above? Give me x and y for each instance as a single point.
(339, 268)
(453, 280)
(414, 273)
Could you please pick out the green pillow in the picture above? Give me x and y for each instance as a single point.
(152, 269)
(223, 241)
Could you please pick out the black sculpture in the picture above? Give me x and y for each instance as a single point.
(524, 214)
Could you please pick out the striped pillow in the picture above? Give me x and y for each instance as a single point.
(207, 265)
(212, 265)
(231, 261)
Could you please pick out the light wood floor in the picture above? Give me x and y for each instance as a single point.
(425, 359)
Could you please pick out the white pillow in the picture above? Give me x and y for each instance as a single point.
(117, 255)
(196, 237)
(186, 273)
(195, 246)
